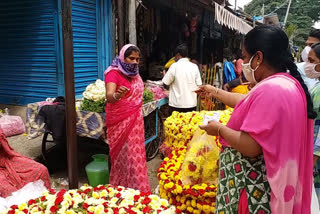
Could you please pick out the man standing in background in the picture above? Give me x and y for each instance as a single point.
(183, 78)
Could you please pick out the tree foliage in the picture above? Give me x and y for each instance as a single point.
(303, 14)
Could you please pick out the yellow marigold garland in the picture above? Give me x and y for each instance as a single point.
(198, 198)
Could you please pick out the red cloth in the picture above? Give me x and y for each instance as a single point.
(243, 207)
(125, 134)
(116, 77)
(16, 170)
(238, 67)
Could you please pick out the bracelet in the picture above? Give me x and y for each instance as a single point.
(219, 130)
(114, 96)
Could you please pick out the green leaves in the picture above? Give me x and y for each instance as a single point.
(93, 106)
(147, 96)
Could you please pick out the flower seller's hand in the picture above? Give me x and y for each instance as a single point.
(213, 128)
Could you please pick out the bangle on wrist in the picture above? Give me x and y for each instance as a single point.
(219, 130)
(114, 96)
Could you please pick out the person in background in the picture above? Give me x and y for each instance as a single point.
(312, 71)
(314, 37)
(238, 63)
(124, 121)
(16, 170)
(266, 160)
(183, 78)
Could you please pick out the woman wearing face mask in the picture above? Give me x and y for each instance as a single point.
(312, 70)
(124, 121)
(266, 162)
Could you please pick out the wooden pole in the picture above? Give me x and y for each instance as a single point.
(120, 24)
(72, 147)
(132, 22)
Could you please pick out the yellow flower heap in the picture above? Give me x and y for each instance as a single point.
(193, 195)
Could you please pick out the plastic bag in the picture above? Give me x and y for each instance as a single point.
(201, 161)
(11, 125)
(31, 190)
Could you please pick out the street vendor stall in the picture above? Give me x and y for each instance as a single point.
(92, 124)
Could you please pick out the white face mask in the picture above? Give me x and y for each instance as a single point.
(305, 53)
(310, 70)
(248, 71)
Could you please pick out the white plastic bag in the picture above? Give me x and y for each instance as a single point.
(31, 190)
(314, 202)
(11, 125)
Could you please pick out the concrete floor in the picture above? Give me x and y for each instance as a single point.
(32, 148)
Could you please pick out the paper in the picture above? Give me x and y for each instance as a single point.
(214, 117)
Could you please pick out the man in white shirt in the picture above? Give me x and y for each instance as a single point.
(183, 78)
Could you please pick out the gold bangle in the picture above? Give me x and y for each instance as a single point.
(219, 130)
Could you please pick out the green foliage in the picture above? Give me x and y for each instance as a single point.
(147, 96)
(303, 14)
(93, 106)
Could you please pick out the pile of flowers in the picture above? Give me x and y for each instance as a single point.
(198, 196)
(180, 127)
(97, 200)
(94, 97)
(95, 91)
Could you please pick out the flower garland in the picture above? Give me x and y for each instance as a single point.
(97, 200)
(196, 197)
(180, 127)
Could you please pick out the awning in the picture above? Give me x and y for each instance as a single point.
(231, 21)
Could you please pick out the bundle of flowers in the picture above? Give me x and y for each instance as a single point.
(97, 200)
(180, 127)
(198, 198)
(201, 160)
(95, 91)
(94, 97)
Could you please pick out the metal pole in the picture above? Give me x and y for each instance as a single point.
(235, 5)
(72, 147)
(287, 13)
(132, 22)
(120, 24)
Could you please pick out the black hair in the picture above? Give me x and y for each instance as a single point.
(182, 50)
(130, 50)
(315, 33)
(316, 49)
(274, 44)
(238, 54)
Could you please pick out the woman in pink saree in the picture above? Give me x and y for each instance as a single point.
(124, 121)
(266, 163)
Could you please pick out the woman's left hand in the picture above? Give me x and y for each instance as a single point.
(212, 128)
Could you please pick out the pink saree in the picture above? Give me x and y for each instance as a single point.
(274, 113)
(125, 133)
